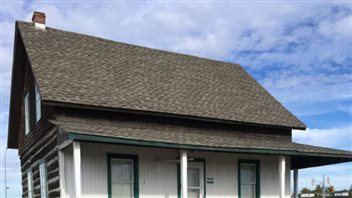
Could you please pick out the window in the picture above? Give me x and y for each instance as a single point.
(249, 180)
(43, 181)
(26, 113)
(30, 183)
(38, 103)
(123, 176)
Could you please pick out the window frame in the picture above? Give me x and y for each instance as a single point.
(30, 193)
(27, 118)
(135, 178)
(46, 195)
(38, 103)
(257, 175)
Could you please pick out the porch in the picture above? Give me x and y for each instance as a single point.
(150, 172)
(165, 154)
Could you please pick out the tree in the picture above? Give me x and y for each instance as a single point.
(318, 191)
(330, 189)
(306, 190)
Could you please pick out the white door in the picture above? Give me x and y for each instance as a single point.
(195, 176)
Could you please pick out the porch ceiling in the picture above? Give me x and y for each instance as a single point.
(303, 156)
(302, 161)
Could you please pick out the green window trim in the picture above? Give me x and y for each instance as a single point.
(179, 177)
(257, 171)
(134, 158)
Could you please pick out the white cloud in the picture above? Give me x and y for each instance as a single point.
(344, 26)
(332, 29)
(340, 137)
(309, 88)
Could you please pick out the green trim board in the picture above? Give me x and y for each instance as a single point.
(204, 176)
(178, 180)
(134, 158)
(257, 171)
(115, 140)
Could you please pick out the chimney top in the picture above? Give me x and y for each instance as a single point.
(38, 19)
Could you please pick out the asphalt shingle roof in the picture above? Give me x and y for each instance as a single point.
(79, 69)
(190, 135)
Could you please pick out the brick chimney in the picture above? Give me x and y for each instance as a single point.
(39, 20)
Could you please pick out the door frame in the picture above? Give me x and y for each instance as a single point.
(198, 160)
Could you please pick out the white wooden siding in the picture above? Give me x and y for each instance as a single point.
(159, 180)
(69, 173)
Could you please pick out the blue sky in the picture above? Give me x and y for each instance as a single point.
(301, 52)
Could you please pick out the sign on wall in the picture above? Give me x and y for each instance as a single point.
(210, 180)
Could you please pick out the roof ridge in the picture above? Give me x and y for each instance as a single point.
(136, 45)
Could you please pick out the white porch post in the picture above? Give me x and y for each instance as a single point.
(282, 174)
(77, 168)
(295, 183)
(183, 163)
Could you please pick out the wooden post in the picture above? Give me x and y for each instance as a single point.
(282, 175)
(77, 168)
(295, 183)
(184, 185)
(62, 174)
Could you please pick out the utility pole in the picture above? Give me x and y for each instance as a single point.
(324, 195)
(5, 173)
(322, 183)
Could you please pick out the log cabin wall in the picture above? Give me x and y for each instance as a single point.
(40, 144)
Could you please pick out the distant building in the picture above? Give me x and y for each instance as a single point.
(342, 194)
(336, 194)
(305, 195)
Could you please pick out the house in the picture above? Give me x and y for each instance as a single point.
(92, 117)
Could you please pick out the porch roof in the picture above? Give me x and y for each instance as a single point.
(302, 155)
